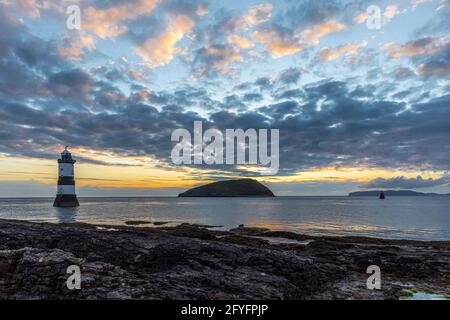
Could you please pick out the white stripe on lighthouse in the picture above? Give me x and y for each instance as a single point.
(65, 189)
(66, 169)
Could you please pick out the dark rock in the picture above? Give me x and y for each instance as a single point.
(193, 262)
(251, 231)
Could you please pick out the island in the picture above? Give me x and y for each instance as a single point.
(230, 188)
(393, 193)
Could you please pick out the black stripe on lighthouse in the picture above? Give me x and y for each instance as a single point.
(66, 181)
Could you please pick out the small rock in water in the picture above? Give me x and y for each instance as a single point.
(160, 223)
(136, 222)
(207, 226)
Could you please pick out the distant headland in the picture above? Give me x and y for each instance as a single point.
(230, 188)
(393, 193)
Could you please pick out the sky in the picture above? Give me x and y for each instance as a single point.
(357, 107)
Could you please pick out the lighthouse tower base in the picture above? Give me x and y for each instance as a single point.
(66, 201)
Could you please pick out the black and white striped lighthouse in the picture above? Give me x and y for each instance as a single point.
(65, 194)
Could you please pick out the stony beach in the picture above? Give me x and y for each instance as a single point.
(198, 262)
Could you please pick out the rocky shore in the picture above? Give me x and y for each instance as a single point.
(194, 262)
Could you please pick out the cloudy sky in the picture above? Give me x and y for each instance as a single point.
(357, 107)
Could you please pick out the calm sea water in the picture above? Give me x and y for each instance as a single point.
(422, 218)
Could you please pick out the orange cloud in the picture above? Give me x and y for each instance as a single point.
(239, 41)
(258, 14)
(278, 46)
(281, 45)
(360, 18)
(137, 75)
(326, 54)
(103, 23)
(107, 22)
(313, 35)
(74, 47)
(263, 37)
(424, 46)
(160, 50)
(390, 12)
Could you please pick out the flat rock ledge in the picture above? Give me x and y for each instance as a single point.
(194, 262)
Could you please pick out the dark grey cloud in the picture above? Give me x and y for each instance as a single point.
(289, 94)
(25, 60)
(282, 109)
(215, 60)
(71, 84)
(252, 97)
(185, 7)
(401, 73)
(224, 22)
(243, 86)
(305, 13)
(233, 101)
(290, 76)
(108, 97)
(279, 86)
(263, 83)
(367, 91)
(402, 94)
(244, 120)
(432, 65)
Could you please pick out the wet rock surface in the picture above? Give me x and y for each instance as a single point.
(194, 262)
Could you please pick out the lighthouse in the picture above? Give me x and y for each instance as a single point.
(65, 194)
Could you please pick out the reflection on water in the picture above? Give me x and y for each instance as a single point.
(317, 227)
(422, 218)
(66, 215)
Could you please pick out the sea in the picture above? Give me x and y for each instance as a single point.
(416, 218)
